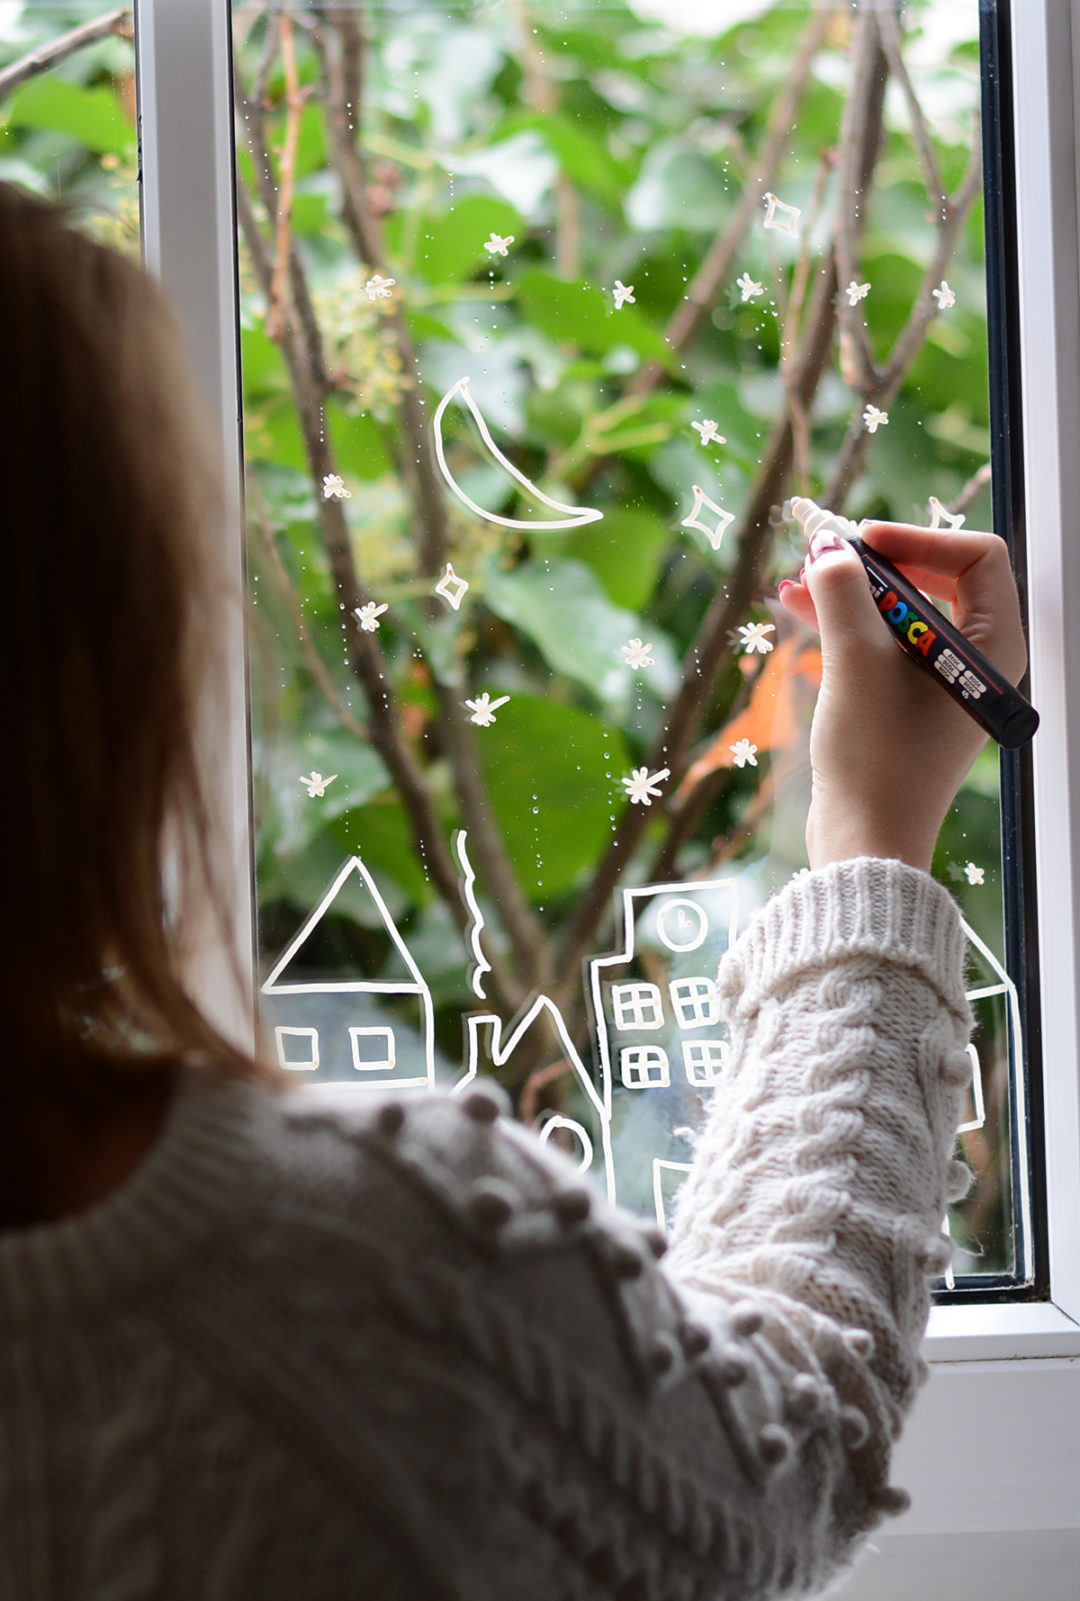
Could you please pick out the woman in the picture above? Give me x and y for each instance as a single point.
(250, 1347)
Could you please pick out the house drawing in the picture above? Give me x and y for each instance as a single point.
(373, 1034)
(661, 1043)
(593, 1144)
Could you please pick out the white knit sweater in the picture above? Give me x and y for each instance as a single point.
(402, 1354)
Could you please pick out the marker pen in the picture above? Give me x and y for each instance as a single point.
(928, 637)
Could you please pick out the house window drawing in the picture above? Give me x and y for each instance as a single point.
(694, 1002)
(298, 1049)
(704, 1061)
(644, 1067)
(361, 1033)
(637, 1006)
(373, 1049)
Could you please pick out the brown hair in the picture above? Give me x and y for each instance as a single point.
(112, 604)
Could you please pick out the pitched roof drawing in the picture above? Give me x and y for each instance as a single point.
(501, 1049)
(414, 985)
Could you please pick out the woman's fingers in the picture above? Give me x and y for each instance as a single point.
(971, 569)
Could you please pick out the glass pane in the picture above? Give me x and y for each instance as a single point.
(546, 310)
(68, 115)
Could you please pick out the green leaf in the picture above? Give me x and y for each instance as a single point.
(625, 551)
(380, 833)
(358, 442)
(552, 772)
(581, 156)
(311, 152)
(561, 606)
(261, 364)
(359, 772)
(580, 314)
(449, 245)
(93, 117)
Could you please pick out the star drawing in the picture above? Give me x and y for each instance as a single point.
(498, 245)
(724, 518)
(782, 217)
(483, 709)
(333, 488)
(942, 515)
(856, 292)
(378, 288)
(709, 432)
(641, 786)
(451, 588)
(743, 753)
(944, 296)
(874, 419)
(637, 654)
(750, 289)
(752, 637)
(368, 616)
(623, 293)
(316, 783)
(974, 875)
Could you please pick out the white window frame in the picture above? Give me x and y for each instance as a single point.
(685, 1002)
(634, 1058)
(991, 1454)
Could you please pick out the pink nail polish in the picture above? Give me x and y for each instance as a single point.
(785, 583)
(822, 543)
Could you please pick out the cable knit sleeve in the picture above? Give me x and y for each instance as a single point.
(716, 1424)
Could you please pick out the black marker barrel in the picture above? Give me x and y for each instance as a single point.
(932, 642)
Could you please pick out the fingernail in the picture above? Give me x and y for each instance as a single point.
(802, 575)
(785, 583)
(823, 542)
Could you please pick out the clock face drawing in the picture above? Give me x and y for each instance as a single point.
(682, 925)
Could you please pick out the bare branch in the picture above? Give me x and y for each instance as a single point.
(120, 22)
(715, 269)
(972, 490)
(294, 107)
(856, 352)
(889, 25)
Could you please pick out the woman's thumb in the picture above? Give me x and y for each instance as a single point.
(846, 616)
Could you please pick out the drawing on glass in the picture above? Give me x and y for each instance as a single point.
(371, 1033)
(724, 519)
(572, 516)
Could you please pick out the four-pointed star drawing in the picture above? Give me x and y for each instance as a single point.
(723, 518)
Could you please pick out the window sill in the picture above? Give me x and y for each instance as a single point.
(998, 1332)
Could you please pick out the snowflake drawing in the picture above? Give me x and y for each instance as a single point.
(856, 292)
(378, 288)
(709, 432)
(498, 245)
(316, 784)
(333, 488)
(637, 654)
(974, 875)
(744, 753)
(752, 637)
(874, 419)
(451, 588)
(624, 294)
(641, 786)
(368, 616)
(944, 296)
(750, 289)
(782, 217)
(941, 515)
(482, 710)
(724, 518)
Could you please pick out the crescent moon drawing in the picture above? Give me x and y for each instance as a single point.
(573, 516)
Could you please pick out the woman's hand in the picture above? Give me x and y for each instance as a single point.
(888, 748)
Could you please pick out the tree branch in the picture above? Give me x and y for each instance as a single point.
(856, 352)
(120, 21)
(889, 25)
(715, 269)
(294, 107)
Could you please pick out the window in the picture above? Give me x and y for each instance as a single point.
(637, 1006)
(694, 1000)
(297, 1048)
(565, 738)
(372, 1049)
(644, 1067)
(704, 1060)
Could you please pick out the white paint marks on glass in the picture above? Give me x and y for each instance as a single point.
(637, 654)
(641, 786)
(744, 753)
(752, 637)
(750, 288)
(333, 488)
(874, 418)
(378, 287)
(624, 294)
(945, 297)
(941, 516)
(482, 710)
(481, 965)
(451, 587)
(498, 244)
(317, 784)
(368, 616)
(784, 218)
(709, 432)
(571, 516)
(724, 519)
